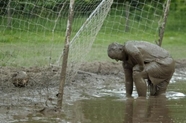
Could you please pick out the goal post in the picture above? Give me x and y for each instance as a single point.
(163, 23)
(73, 46)
(65, 54)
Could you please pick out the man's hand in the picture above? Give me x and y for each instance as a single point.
(141, 67)
(138, 68)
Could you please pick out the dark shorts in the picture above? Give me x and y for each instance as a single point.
(159, 74)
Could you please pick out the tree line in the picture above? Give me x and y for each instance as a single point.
(81, 6)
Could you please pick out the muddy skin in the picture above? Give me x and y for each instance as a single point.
(143, 62)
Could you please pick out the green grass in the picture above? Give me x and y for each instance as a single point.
(30, 48)
(33, 43)
(19, 48)
(175, 44)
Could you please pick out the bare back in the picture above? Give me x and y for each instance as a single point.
(150, 52)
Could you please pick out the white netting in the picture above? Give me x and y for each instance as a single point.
(82, 42)
(135, 20)
(33, 31)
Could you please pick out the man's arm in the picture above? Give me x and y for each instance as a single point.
(134, 52)
(128, 80)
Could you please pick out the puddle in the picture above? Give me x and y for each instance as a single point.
(102, 101)
(179, 75)
(108, 107)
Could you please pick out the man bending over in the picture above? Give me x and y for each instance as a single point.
(143, 61)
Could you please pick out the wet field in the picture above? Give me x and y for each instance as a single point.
(103, 101)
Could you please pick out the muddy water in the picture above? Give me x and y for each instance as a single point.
(169, 109)
(105, 103)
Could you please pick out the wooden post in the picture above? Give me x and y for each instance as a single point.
(9, 15)
(127, 13)
(162, 27)
(65, 55)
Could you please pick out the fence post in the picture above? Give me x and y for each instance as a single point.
(65, 55)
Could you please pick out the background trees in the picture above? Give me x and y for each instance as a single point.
(31, 8)
(176, 5)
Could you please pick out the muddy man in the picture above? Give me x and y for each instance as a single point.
(143, 62)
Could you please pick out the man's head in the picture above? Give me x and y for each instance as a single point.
(116, 51)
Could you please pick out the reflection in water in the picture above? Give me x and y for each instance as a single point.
(104, 110)
(143, 110)
(140, 110)
(99, 110)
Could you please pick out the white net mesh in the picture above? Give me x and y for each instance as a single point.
(135, 20)
(82, 42)
(34, 31)
(27, 25)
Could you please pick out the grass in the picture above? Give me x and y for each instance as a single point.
(19, 48)
(28, 49)
(175, 43)
(28, 44)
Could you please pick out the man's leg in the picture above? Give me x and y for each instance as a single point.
(138, 77)
(161, 88)
(152, 88)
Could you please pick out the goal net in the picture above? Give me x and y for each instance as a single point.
(32, 32)
(83, 40)
(113, 22)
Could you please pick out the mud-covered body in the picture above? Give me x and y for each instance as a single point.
(144, 60)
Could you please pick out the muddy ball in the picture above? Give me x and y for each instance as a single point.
(49, 111)
(20, 79)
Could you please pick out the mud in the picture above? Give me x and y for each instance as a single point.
(93, 80)
(91, 77)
